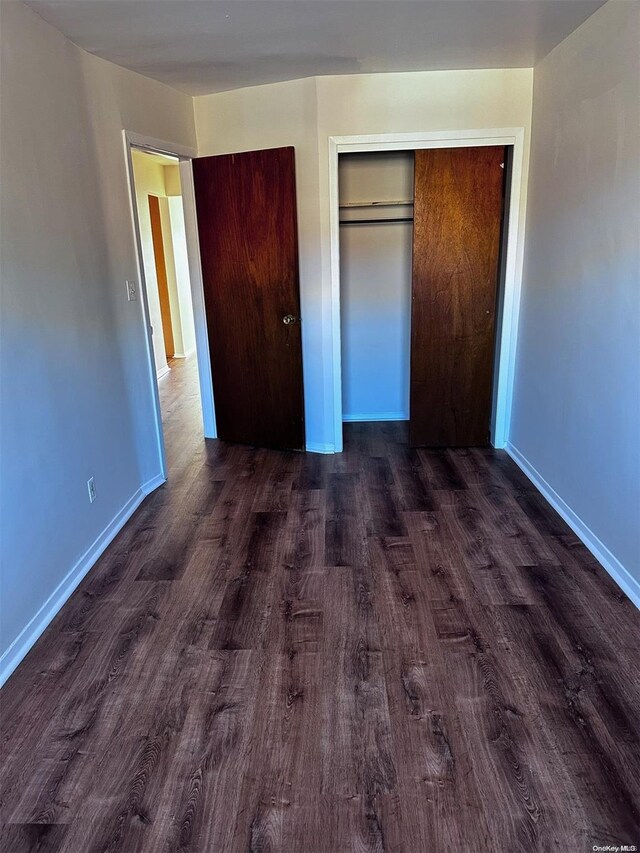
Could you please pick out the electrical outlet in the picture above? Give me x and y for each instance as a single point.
(91, 488)
(132, 291)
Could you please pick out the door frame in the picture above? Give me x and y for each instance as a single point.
(184, 155)
(507, 310)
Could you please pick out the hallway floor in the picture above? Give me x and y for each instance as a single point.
(384, 650)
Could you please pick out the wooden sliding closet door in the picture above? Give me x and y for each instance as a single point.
(458, 207)
(247, 224)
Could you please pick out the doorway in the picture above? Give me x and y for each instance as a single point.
(162, 240)
(164, 251)
(507, 303)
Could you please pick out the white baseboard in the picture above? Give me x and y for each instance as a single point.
(152, 484)
(163, 371)
(37, 625)
(186, 354)
(316, 447)
(376, 416)
(625, 580)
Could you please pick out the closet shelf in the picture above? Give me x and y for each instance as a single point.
(401, 203)
(372, 212)
(376, 221)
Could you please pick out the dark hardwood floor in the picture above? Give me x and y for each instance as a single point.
(384, 650)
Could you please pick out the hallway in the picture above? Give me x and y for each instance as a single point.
(384, 650)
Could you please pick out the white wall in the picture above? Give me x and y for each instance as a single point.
(172, 282)
(172, 180)
(375, 285)
(576, 414)
(76, 395)
(177, 236)
(305, 113)
(149, 180)
(175, 241)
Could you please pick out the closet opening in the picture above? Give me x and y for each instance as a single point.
(376, 226)
(423, 271)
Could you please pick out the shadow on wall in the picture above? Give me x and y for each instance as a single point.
(73, 358)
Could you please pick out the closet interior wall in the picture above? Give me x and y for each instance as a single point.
(376, 215)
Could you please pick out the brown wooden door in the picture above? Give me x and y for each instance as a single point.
(161, 275)
(247, 223)
(456, 246)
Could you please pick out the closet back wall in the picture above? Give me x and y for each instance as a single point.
(375, 283)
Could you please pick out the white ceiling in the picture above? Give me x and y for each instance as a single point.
(202, 46)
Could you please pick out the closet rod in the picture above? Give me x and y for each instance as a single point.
(401, 203)
(373, 221)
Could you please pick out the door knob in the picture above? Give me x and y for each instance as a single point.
(288, 319)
